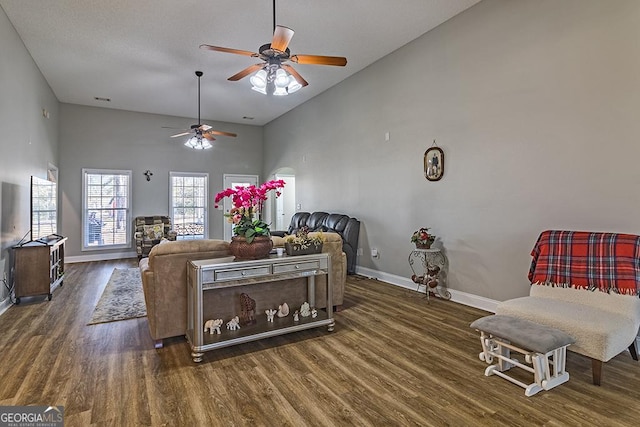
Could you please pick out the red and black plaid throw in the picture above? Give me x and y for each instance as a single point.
(609, 262)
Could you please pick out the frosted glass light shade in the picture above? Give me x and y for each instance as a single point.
(259, 79)
(294, 86)
(198, 143)
(282, 79)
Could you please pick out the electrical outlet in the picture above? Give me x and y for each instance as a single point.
(374, 253)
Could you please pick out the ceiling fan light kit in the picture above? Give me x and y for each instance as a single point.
(273, 76)
(202, 133)
(272, 79)
(198, 143)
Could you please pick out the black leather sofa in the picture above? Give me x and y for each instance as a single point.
(348, 228)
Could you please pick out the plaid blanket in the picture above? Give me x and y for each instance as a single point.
(609, 262)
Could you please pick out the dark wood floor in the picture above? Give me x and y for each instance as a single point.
(392, 360)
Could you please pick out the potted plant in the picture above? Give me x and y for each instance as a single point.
(302, 244)
(422, 238)
(252, 237)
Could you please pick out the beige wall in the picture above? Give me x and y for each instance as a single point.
(535, 104)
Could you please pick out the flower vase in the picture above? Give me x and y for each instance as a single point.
(258, 249)
(423, 245)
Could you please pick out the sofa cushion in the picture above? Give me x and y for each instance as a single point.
(625, 305)
(315, 222)
(186, 247)
(524, 333)
(336, 222)
(153, 231)
(599, 333)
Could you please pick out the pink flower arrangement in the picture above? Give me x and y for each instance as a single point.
(250, 197)
(248, 201)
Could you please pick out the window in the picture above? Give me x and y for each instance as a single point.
(188, 204)
(106, 213)
(44, 207)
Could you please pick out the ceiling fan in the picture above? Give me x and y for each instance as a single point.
(274, 76)
(202, 133)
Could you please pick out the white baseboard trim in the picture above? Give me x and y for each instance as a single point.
(100, 257)
(4, 305)
(456, 296)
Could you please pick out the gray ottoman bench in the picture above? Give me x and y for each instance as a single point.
(543, 347)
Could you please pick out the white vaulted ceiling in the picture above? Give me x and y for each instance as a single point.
(142, 54)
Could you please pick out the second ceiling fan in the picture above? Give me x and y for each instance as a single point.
(202, 133)
(273, 75)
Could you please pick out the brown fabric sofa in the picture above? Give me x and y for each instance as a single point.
(164, 282)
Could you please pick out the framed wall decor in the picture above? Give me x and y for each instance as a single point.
(433, 163)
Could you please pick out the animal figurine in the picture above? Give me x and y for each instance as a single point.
(314, 313)
(295, 316)
(213, 326)
(270, 314)
(305, 310)
(283, 310)
(432, 276)
(233, 324)
(420, 280)
(248, 307)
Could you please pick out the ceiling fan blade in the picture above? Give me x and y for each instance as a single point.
(208, 137)
(204, 127)
(339, 61)
(180, 134)
(219, 132)
(228, 50)
(281, 38)
(245, 72)
(295, 74)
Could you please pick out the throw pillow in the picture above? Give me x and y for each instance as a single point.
(154, 231)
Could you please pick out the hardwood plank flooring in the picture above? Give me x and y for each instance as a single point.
(393, 359)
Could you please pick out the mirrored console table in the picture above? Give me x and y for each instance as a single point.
(207, 276)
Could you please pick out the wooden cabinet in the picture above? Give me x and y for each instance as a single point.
(38, 266)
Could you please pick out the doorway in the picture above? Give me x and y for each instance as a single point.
(232, 181)
(286, 203)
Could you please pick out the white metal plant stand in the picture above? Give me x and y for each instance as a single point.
(421, 260)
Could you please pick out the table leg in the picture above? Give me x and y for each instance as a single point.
(311, 290)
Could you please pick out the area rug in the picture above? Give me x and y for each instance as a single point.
(122, 298)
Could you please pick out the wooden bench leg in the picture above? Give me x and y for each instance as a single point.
(596, 371)
(633, 349)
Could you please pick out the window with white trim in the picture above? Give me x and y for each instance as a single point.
(188, 204)
(106, 212)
